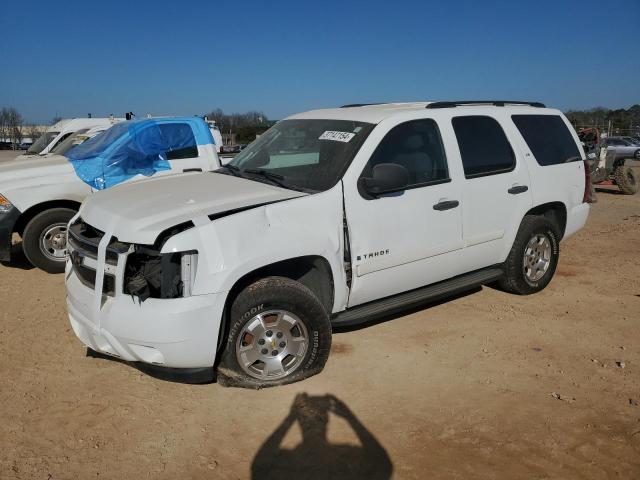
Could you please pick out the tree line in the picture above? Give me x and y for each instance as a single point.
(249, 124)
(619, 121)
(13, 127)
(10, 125)
(245, 125)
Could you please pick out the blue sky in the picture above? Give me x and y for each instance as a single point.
(167, 57)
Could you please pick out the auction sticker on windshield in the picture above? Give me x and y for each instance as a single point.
(336, 136)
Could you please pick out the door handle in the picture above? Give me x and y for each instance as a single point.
(518, 189)
(191, 170)
(446, 205)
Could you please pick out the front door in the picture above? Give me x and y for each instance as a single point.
(404, 240)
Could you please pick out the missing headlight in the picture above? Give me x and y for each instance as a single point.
(154, 275)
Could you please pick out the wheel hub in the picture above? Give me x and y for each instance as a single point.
(53, 242)
(272, 344)
(537, 257)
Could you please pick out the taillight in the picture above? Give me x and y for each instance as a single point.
(587, 196)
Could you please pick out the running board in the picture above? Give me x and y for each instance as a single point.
(369, 311)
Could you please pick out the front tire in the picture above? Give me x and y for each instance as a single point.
(533, 258)
(626, 179)
(279, 333)
(44, 240)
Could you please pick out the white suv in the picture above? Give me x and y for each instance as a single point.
(332, 217)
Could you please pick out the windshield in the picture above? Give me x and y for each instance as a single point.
(98, 144)
(303, 154)
(40, 144)
(71, 141)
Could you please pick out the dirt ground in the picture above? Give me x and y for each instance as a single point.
(487, 385)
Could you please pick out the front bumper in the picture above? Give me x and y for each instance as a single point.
(8, 220)
(177, 333)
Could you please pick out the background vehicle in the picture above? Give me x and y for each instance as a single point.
(331, 217)
(76, 139)
(622, 147)
(633, 140)
(63, 129)
(39, 195)
(215, 133)
(606, 163)
(25, 145)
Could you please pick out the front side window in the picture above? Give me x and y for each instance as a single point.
(309, 155)
(548, 138)
(484, 147)
(417, 146)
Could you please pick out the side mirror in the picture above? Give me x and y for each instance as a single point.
(386, 178)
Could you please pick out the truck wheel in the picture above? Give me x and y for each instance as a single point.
(533, 257)
(279, 333)
(636, 155)
(44, 239)
(626, 179)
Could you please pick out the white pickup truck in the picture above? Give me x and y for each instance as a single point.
(40, 194)
(60, 131)
(332, 217)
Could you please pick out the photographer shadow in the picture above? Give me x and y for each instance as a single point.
(315, 457)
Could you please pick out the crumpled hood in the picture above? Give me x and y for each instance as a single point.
(138, 212)
(33, 171)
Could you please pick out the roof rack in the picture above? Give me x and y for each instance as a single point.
(496, 103)
(352, 105)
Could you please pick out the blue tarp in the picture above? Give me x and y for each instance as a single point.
(140, 147)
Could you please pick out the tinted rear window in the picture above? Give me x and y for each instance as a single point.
(484, 147)
(548, 138)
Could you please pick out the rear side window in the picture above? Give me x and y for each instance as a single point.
(484, 147)
(417, 146)
(548, 138)
(180, 139)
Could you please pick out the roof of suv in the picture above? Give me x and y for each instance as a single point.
(376, 112)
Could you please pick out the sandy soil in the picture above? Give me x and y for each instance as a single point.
(487, 385)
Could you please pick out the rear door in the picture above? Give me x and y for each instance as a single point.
(404, 240)
(496, 192)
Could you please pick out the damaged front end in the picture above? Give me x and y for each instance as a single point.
(150, 274)
(146, 273)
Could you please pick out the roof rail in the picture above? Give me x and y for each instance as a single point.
(496, 103)
(352, 105)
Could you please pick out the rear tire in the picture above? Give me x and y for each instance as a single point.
(533, 258)
(626, 179)
(44, 239)
(279, 333)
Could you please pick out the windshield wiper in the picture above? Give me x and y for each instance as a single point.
(235, 171)
(279, 180)
(274, 177)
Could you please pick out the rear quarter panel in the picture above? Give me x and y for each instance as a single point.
(563, 183)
